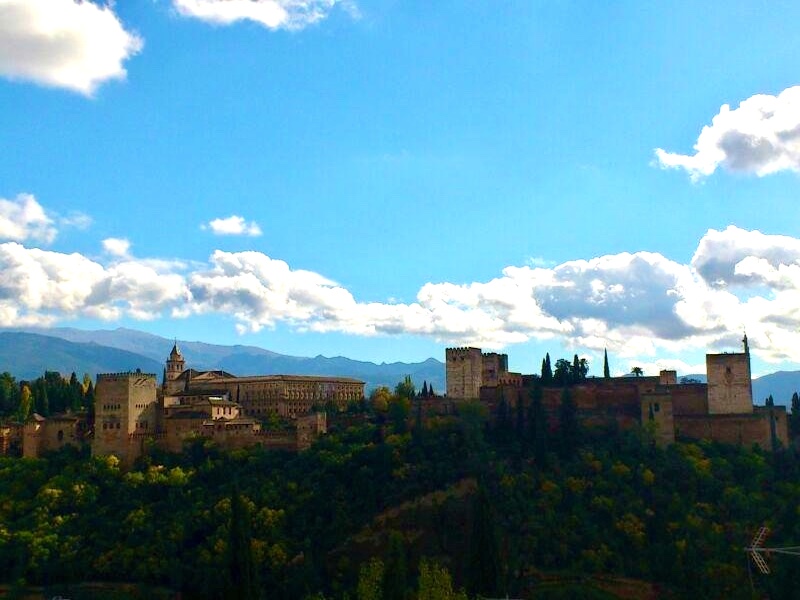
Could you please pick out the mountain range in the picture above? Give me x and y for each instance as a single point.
(27, 353)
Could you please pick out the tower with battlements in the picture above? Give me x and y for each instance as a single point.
(126, 408)
(730, 389)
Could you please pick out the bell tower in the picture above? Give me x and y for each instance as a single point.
(175, 364)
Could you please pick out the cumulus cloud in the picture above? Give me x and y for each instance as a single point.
(41, 287)
(761, 136)
(74, 44)
(233, 225)
(638, 305)
(117, 246)
(23, 218)
(272, 14)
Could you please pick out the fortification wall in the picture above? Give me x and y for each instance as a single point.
(493, 367)
(729, 384)
(754, 428)
(689, 399)
(657, 409)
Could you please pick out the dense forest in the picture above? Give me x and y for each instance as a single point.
(46, 395)
(398, 507)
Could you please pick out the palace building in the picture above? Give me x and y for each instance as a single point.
(132, 410)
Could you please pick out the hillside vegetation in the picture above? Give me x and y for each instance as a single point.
(379, 511)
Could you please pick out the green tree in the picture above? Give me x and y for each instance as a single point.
(794, 418)
(579, 369)
(405, 389)
(75, 393)
(395, 575)
(25, 404)
(606, 370)
(9, 394)
(563, 373)
(637, 371)
(547, 370)
(41, 403)
(241, 567)
(537, 426)
(435, 583)
(379, 398)
(484, 564)
(399, 409)
(567, 424)
(370, 581)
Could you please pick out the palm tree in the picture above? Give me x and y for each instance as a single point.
(637, 371)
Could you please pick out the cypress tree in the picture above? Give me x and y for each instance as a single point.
(794, 418)
(424, 389)
(484, 564)
(395, 575)
(547, 370)
(241, 567)
(568, 424)
(606, 370)
(537, 426)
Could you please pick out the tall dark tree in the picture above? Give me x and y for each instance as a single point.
(547, 370)
(794, 418)
(606, 370)
(484, 563)
(568, 424)
(41, 403)
(770, 401)
(537, 426)
(395, 575)
(579, 369)
(424, 389)
(241, 567)
(520, 424)
(563, 373)
(503, 421)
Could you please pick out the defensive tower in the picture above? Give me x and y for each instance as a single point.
(125, 404)
(730, 389)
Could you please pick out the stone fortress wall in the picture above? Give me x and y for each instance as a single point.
(721, 410)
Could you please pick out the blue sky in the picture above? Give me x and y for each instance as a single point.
(381, 179)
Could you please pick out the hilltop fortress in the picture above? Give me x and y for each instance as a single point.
(720, 410)
(132, 410)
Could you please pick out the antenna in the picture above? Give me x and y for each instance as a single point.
(758, 552)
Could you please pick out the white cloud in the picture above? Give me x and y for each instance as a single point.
(639, 305)
(76, 219)
(74, 44)
(761, 136)
(272, 14)
(233, 225)
(41, 287)
(23, 218)
(118, 247)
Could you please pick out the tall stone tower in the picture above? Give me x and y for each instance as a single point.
(175, 364)
(464, 371)
(730, 387)
(125, 405)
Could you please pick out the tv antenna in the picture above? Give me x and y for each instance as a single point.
(759, 553)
